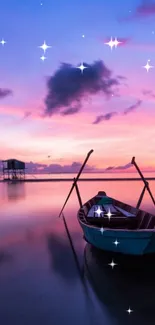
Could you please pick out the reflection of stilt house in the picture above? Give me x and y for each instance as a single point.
(13, 169)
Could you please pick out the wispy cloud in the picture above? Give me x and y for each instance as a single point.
(57, 168)
(5, 92)
(36, 168)
(71, 110)
(108, 116)
(68, 86)
(119, 167)
(145, 10)
(133, 107)
(26, 115)
(105, 117)
(148, 93)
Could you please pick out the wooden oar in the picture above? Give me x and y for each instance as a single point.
(143, 179)
(76, 179)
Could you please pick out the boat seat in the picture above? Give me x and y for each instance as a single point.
(117, 220)
(114, 222)
(134, 219)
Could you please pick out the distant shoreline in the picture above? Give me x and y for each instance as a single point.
(120, 179)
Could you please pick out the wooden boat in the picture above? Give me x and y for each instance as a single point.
(128, 230)
(112, 225)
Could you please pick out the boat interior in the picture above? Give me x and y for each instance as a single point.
(122, 215)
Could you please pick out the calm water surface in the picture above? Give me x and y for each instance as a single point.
(39, 280)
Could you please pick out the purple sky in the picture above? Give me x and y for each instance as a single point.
(49, 108)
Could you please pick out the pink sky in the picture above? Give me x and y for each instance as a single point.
(27, 136)
(68, 139)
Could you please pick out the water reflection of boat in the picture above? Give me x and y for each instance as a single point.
(132, 227)
(129, 284)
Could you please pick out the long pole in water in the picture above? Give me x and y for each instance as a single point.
(78, 194)
(82, 277)
(76, 179)
(74, 252)
(143, 179)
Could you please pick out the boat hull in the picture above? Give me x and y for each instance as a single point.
(130, 242)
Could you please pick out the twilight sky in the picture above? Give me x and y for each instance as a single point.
(51, 112)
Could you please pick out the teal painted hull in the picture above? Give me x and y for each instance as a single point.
(131, 242)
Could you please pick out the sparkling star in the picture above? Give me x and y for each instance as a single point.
(116, 242)
(129, 311)
(82, 67)
(153, 32)
(112, 43)
(98, 211)
(102, 230)
(109, 214)
(148, 66)
(43, 58)
(44, 47)
(3, 42)
(112, 264)
(83, 36)
(116, 42)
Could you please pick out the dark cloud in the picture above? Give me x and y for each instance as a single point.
(71, 110)
(35, 168)
(133, 107)
(68, 86)
(105, 117)
(5, 92)
(145, 10)
(109, 168)
(119, 167)
(124, 166)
